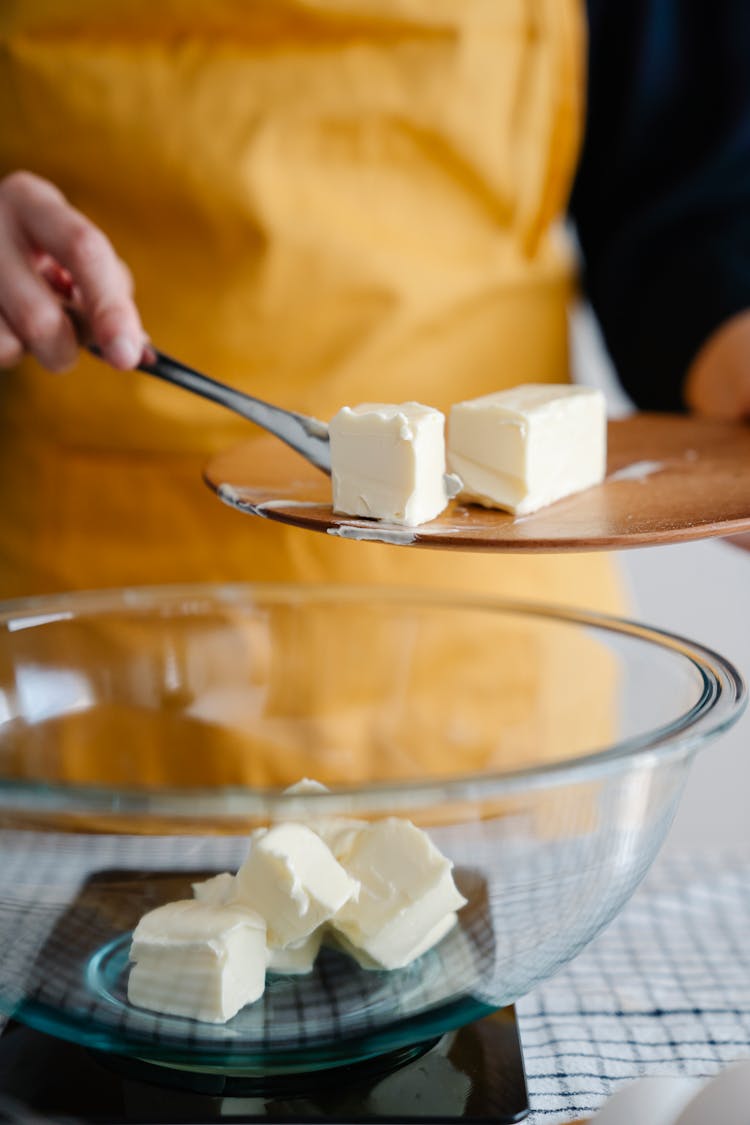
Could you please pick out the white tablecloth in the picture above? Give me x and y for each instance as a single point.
(665, 989)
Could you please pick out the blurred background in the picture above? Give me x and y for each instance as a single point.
(701, 590)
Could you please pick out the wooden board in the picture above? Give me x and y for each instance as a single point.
(670, 478)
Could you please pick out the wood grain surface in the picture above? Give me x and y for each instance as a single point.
(670, 478)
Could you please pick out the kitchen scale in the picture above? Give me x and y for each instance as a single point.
(474, 1073)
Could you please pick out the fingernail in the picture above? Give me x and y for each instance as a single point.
(124, 351)
(64, 368)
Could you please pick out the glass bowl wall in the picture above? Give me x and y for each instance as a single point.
(145, 733)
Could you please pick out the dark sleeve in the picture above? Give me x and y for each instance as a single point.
(662, 197)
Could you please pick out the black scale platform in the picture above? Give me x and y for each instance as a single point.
(475, 1074)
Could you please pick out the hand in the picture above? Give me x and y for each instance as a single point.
(718, 382)
(48, 250)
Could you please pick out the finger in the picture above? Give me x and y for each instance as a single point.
(742, 541)
(50, 222)
(30, 310)
(720, 394)
(129, 282)
(58, 279)
(11, 348)
(717, 384)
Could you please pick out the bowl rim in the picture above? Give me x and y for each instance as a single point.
(721, 701)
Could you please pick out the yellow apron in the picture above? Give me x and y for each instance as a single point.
(323, 202)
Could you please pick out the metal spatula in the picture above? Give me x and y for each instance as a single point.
(306, 435)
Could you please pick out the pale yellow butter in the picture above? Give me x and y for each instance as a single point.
(198, 959)
(407, 901)
(293, 881)
(388, 462)
(526, 447)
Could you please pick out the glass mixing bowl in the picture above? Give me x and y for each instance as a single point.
(145, 733)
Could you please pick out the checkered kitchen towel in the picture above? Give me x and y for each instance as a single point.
(664, 990)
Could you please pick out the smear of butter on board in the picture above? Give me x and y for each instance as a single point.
(639, 470)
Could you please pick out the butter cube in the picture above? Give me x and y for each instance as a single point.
(339, 833)
(365, 961)
(293, 881)
(296, 959)
(526, 447)
(407, 900)
(388, 462)
(198, 960)
(216, 891)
